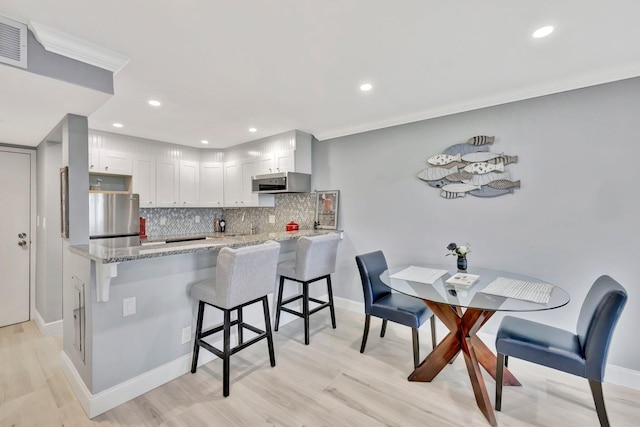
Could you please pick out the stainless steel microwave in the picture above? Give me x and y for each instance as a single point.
(282, 182)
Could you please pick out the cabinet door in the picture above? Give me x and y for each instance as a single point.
(94, 160)
(265, 164)
(115, 162)
(189, 183)
(167, 183)
(211, 184)
(144, 180)
(232, 184)
(248, 168)
(285, 161)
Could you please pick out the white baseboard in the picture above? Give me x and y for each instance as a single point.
(47, 329)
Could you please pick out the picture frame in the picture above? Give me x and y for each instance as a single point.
(327, 209)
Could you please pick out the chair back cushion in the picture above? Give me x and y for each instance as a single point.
(599, 314)
(316, 256)
(370, 266)
(245, 274)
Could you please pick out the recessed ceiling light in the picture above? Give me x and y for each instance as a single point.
(253, 130)
(118, 125)
(204, 141)
(542, 32)
(154, 103)
(366, 87)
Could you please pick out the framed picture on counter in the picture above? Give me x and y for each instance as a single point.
(327, 209)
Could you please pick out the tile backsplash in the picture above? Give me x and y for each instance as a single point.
(298, 207)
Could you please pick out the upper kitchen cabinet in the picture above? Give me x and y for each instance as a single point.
(110, 161)
(144, 180)
(237, 185)
(211, 184)
(280, 161)
(189, 188)
(167, 183)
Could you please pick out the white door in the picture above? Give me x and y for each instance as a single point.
(15, 176)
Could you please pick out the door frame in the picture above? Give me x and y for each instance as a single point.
(31, 152)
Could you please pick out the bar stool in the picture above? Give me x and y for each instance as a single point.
(315, 260)
(244, 276)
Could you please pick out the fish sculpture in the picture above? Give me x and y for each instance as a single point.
(438, 183)
(490, 192)
(486, 178)
(503, 184)
(463, 149)
(460, 188)
(455, 165)
(450, 195)
(483, 167)
(481, 140)
(480, 156)
(443, 159)
(435, 173)
(503, 159)
(459, 176)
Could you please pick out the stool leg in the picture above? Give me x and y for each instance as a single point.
(226, 352)
(305, 311)
(240, 340)
(330, 291)
(196, 344)
(267, 327)
(279, 304)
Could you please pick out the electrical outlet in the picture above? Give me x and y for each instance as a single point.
(128, 306)
(272, 219)
(186, 335)
(163, 220)
(197, 219)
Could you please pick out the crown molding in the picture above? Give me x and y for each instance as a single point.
(75, 48)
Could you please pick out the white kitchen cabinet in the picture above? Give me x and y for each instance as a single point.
(232, 184)
(167, 183)
(189, 188)
(115, 162)
(248, 169)
(237, 186)
(94, 160)
(211, 184)
(282, 161)
(144, 180)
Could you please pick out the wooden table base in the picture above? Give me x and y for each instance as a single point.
(463, 327)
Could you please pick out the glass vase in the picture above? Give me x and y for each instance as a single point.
(462, 263)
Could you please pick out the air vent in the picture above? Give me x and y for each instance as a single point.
(13, 42)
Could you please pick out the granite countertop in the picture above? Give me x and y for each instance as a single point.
(159, 246)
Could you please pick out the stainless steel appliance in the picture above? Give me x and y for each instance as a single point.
(282, 182)
(114, 219)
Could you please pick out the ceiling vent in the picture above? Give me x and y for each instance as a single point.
(13, 42)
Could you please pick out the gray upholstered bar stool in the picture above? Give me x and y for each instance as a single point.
(315, 260)
(243, 276)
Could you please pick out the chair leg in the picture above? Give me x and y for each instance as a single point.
(240, 328)
(305, 311)
(433, 332)
(506, 361)
(330, 292)
(367, 321)
(279, 303)
(196, 344)
(226, 352)
(499, 378)
(383, 330)
(267, 328)
(416, 347)
(598, 399)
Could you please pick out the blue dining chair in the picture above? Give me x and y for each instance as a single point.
(380, 302)
(583, 354)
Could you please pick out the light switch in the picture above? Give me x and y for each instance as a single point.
(128, 306)
(197, 219)
(272, 219)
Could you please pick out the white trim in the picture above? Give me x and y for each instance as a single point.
(56, 41)
(47, 329)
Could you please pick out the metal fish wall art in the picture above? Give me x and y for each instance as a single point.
(503, 184)
(470, 168)
(481, 140)
(443, 159)
(483, 167)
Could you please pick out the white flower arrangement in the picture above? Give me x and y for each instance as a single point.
(459, 250)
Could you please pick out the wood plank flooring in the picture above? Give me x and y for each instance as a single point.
(328, 383)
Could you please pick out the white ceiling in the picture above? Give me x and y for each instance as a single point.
(220, 67)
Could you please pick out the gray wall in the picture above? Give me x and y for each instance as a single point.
(575, 217)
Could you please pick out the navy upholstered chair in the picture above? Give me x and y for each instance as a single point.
(380, 302)
(243, 276)
(315, 260)
(583, 354)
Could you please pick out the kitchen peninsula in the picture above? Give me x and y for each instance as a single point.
(137, 334)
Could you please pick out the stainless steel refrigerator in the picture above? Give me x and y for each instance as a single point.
(114, 219)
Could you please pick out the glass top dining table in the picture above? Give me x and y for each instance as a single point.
(464, 309)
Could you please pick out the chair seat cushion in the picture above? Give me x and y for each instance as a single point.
(287, 269)
(542, 344)
(401, 309)
(204, 291)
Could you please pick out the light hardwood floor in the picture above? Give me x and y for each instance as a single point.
(328, 383)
